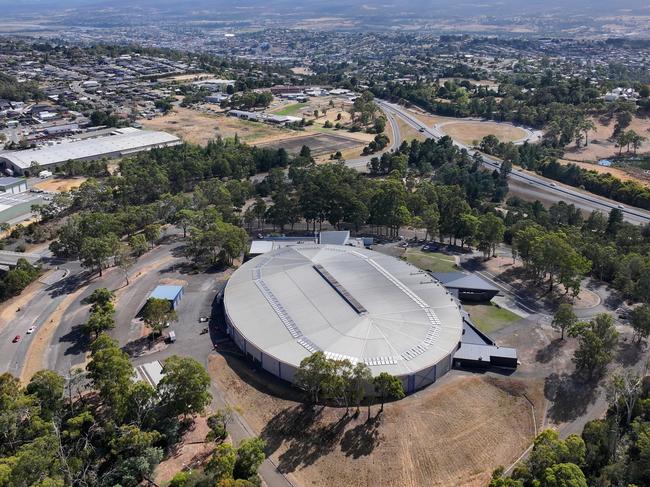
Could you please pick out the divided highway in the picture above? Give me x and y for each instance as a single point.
(525, 183)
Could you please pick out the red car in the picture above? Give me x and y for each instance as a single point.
(16, 339)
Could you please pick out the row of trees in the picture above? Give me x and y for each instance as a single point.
(344, 383)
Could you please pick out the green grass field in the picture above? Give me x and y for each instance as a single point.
(290, 110)
(431, 261)
(489, 317)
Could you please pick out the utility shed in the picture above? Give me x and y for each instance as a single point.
(150, 373)
(470, 287)
(479, 350)
(13, 185)
(173, 294)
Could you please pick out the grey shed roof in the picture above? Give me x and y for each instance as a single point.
(11, 181)
(284, 306)
(125, 141)
(460, 280)
(334, 237)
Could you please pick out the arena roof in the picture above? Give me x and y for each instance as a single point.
(124, 141)
(350, 303)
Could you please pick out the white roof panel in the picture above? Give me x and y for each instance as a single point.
(124, 141)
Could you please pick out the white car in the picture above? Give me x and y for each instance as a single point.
(31, 330)
(620, 207)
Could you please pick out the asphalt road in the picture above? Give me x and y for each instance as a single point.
(526, 183)
(43, 303)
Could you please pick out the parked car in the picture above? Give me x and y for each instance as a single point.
(16, 339)
(430, 247)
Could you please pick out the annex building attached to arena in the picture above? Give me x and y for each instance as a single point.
(351, 303)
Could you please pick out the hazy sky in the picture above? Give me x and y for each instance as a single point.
(343, 7)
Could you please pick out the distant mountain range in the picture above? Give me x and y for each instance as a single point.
(356, 8)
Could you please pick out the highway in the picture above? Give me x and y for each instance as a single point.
(526, 184)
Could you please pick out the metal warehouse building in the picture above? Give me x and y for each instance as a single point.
(351, 303)
(120, 143)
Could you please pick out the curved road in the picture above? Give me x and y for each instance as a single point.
(525, 183)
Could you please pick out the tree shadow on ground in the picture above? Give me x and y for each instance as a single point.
(550, 351)
(308, 436)
(70, 284)
(77, 339)
(629, 353)
(361, 440)
(144, 346)
(570, 396)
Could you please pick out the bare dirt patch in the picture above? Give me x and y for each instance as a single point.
(467, 132)
(191, 452)
(453, 433)
(60, 184)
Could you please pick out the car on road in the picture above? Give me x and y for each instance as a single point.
(553, 184)
(421, 129)
(620, 207)
(31, 330)
(204, 319)
(16, 339)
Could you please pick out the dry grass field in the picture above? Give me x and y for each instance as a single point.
(600, 147)
(199, 128)
(467, 132)
(407, 132)
(452, 433)
(60, 184)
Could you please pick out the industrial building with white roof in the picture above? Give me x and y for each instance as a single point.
(120, 143)
(351, 303)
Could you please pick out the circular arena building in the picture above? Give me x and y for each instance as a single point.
(351, 303)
